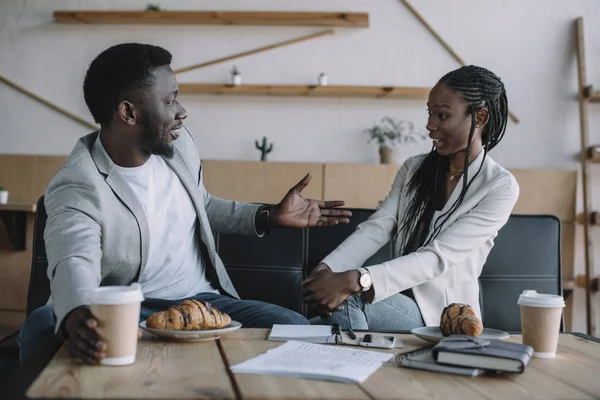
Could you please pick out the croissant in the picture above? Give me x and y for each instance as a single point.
(190, 315)
(460, 319)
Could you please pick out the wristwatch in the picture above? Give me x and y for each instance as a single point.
(365, 280)
(264, 219)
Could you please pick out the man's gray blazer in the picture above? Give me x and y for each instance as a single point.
(97, 233)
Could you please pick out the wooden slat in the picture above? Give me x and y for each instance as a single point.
(163, 370)
(359, 185)
(19, 206)
(444, 44)
(260, 182)
(377, 92)
(254, 51)
(47, 103)
(547, 192)
(587, 197)
(344, 19)
(276, 387)
(594, 97)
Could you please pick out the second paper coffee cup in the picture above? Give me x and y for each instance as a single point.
(541, 316)
(117, 309)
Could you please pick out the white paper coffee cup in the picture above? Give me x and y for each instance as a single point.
(117, 309)
(541, 315)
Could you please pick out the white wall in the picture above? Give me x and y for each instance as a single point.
(529, 44)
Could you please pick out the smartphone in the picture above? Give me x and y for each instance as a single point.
(381, 341)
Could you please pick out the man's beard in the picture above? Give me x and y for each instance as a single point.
(151, 139)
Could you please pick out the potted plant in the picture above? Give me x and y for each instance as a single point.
(3, 195)
(390, 134)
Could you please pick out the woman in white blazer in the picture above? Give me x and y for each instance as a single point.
(442, 214)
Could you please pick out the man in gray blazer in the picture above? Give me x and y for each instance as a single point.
(129, 205)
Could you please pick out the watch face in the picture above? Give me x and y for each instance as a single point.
(365, 280)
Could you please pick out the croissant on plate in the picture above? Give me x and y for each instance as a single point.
(460, 319)
(190, 315)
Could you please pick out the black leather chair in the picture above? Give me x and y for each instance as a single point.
(526, 255)
(39, 285)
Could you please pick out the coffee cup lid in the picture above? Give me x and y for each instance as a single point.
(114, 295)
(532, 298)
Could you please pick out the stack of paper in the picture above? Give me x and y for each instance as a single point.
(315, 361)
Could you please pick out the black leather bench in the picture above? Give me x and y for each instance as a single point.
(526, 256)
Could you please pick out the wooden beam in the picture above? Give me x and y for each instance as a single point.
(287, 18)
(587, 199)
(47, 103)
(445, 44)
(255, 51)
(378, 92)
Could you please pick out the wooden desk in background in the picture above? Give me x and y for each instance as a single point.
(180, 370)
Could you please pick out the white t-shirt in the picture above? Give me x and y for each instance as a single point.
(175, 267)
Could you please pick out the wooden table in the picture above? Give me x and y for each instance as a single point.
(178, 370)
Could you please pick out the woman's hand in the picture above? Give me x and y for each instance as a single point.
(326, 290)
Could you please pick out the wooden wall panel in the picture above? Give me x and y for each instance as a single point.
(260, 182)
(547, 192)
(12, 318)
(26, 178)
(359, 185)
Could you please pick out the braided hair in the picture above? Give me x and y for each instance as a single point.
(480, 88)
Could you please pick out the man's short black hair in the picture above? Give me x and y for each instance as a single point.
(118, 74)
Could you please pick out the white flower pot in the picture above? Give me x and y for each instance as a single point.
(3, 196)
(389, 155)
(236, 79)
(323, 80)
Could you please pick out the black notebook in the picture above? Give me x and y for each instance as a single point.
(493, 355)
(423, 359)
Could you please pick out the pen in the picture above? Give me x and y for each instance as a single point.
(351, 333)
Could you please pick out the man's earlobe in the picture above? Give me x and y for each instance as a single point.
(127, 113)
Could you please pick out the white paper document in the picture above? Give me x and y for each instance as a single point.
(304, 333)
(315, 361)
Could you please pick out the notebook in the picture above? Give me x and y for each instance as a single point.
(304, 333)
(423, 359)
(494, 355)
(315, 361)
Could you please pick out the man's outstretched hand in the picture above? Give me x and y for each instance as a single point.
(294, 211)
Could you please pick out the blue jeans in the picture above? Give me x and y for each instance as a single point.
(396, 313)
(39, 326)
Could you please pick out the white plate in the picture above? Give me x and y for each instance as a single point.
(193, 336)
(433, 334)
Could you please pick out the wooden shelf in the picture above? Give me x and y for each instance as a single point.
(14, 217)
(355, 20)
(19, 206)
(590, 95)
(379, 92)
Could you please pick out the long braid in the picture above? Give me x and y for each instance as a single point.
(480, 88)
